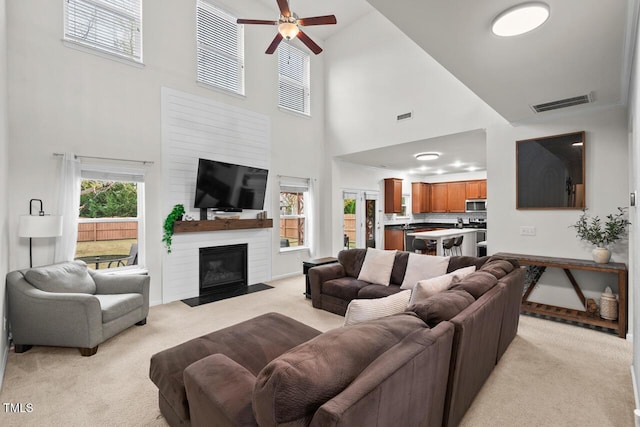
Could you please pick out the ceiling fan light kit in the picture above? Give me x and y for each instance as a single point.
(520, 19)
(289, 27)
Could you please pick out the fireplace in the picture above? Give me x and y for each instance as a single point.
(223, 269)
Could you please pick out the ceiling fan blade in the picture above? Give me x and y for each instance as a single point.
(318, 20)
(309, 43)
(256, 21)
(284, 8)
(274, 44)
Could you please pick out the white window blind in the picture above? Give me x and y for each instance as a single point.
(112, 26)
(293, 79)
(220, 43)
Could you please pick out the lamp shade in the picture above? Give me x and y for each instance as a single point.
(40, 226)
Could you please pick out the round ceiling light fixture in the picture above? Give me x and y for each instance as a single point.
(520, 19)
(426, 156)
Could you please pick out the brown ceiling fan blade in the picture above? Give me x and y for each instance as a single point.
(256, 21)
(318, 20)
(284, 8)
(274, 44)
(309, 43)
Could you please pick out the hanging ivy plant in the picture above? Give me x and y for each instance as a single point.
(175, 215)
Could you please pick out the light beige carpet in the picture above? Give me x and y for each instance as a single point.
(552, 375)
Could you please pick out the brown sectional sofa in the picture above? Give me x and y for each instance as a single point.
(407, 369)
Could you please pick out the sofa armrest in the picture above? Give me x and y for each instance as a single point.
(219, 392)
(406, 385)
(320, 274)
(47, 318)
(123, 284)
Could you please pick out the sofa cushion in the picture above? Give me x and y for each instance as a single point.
(399, 267)
(378, 291)
(345, 288)
(351, 260)
(443, 306)
(498, 267)
(291, 388)
(64, 277)
(377, 266)
(427, 288)
(421, 267)
(457, 262)
(114, 306)
(361, 310)
(476, 283)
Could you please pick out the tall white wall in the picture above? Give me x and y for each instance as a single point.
(62, 99)
(4, 188)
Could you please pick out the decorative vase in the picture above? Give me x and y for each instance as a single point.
(601, 255)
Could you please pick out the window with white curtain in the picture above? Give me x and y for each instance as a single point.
(111, 217)
(295, 198)
(294, 79)
(220, 42)
(110, 26)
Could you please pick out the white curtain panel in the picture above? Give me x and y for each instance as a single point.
(312, 215)
(68, 207)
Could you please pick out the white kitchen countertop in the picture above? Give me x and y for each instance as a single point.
(442, 233)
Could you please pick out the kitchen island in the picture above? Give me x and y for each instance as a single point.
(468, 243)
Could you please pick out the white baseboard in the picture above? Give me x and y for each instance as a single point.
(152, 303)
(285, 276)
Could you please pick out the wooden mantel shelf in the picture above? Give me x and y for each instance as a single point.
(220, 224)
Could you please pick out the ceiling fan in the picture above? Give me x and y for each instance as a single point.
(289, 27)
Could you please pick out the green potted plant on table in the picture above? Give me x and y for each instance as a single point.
(600, 234)
(175, 215)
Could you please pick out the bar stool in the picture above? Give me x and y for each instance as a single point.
(447, 245)
(457, 245)
(422, 246)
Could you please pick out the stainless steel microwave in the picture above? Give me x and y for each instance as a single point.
(476, 205)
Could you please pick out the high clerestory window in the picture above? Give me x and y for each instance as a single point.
(294, 79)
(220, 42)
(109, 26)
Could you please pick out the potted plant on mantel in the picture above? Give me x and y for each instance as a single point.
(175, 215)
(602, 235)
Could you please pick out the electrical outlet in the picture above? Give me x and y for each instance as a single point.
(527, 230)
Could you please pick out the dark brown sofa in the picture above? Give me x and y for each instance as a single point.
(333, 286)
(421, 367)
(386, 371)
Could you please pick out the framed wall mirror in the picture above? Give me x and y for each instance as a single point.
(550, 172)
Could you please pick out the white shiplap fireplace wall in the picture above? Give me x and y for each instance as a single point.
(194, 127)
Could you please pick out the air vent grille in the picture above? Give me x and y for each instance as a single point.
(563, 103)
(404, 116)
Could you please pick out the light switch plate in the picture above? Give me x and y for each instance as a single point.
(527, 230)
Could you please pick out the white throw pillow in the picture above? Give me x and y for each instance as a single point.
(420, 267)
(361, 310)
(377, 266)
(426, 288)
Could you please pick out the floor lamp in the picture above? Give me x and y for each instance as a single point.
(40, 225)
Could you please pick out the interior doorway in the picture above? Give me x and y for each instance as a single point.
(361, 220)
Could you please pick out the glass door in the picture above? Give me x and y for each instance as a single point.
(361, 222)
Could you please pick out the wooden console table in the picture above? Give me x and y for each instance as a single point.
(567, 265)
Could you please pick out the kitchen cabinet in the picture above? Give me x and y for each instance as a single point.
(420, 197)
(392, 195)
(439, 193)
(456, 196)
(477, 189)
(448, 196)
(394, 239)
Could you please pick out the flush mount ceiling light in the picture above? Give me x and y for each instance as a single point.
(520, 19)
(426, 156)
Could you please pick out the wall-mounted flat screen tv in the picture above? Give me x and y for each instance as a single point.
(226, 186)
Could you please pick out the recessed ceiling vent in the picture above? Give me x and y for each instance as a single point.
(405, 116)
(563, 103)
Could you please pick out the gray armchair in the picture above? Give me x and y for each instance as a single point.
(68, 305)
